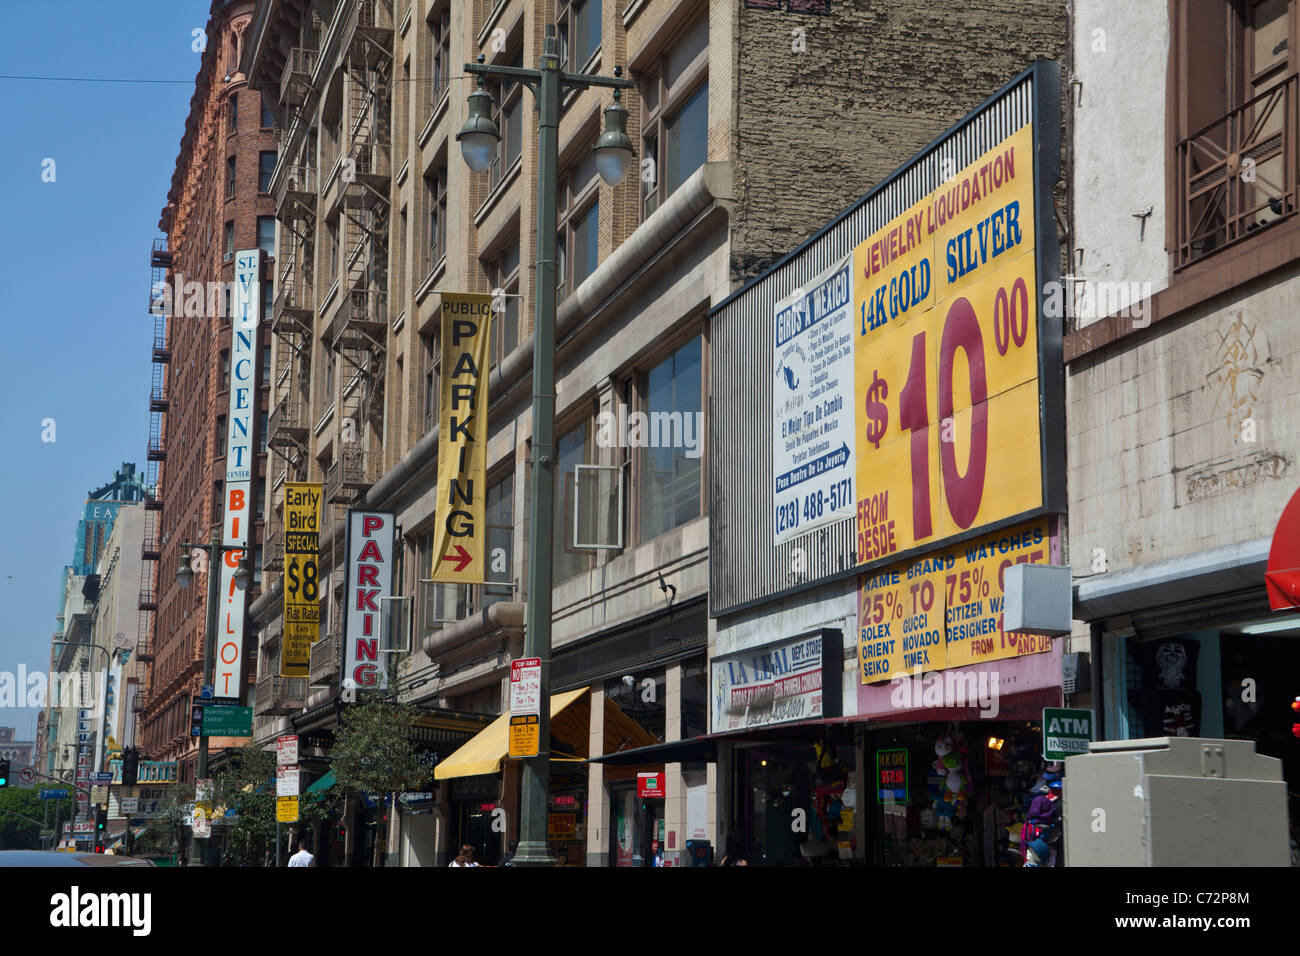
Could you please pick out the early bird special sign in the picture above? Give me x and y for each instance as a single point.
(460, 532)
(301, 576)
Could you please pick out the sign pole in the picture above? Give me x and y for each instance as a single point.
(215, 557)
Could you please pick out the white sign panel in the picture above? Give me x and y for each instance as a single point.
(769, 685)
(813, 462)
(286, 750)
(287, 781)
(526, 686)
(245, 307)
(129, 805)
(369, 580)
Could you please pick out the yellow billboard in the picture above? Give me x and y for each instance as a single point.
(946, 360)
(460, 531)
(302, 501)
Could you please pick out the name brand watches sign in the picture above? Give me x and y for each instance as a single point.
(369, 580)
(245, 308)
(796, 679)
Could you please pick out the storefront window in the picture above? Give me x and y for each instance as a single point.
(695, 698)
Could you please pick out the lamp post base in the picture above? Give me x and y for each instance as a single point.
(532, 853)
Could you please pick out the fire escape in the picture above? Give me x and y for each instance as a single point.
(359, 329)
(160, 260)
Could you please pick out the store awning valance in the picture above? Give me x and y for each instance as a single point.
(485, 751)
(321, 785)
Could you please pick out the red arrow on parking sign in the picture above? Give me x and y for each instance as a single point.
(460, 556)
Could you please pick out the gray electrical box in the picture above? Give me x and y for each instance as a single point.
(1175, 801)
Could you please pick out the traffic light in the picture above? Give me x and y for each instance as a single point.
(1295, 729)
(130, 766)
(101, 827)
(4, 773)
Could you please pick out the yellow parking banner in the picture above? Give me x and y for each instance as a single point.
(460, 531)
(286, 809)
(525, 735)
(302, 510)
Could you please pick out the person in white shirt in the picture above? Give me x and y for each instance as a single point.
(302, 857)
(465, 857)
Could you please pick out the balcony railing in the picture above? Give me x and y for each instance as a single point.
(346, 477)
(280, 695)
(1238, 174)
(361, 320)
(295, 193)
(273, 549)
(295, 81)
(292, 310)
(287, 425)
(325, 655)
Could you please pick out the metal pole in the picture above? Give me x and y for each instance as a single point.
(215, 556)
(535, 788)
(277, 843)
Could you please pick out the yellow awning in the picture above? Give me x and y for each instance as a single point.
(484, 752)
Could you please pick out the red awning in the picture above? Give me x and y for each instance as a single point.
(1283, 575)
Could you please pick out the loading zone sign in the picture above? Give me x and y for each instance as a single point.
(1066, 732)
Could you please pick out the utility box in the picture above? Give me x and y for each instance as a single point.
(1175, 801)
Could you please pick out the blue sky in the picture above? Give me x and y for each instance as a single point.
(74, 271)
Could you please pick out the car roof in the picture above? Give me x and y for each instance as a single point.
(53, 858)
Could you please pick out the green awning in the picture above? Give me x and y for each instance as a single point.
(321, 785)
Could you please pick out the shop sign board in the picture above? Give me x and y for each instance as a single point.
(561, 826)
(460, 532)
(813, 423)
(650, 786)
(796, 679)
(526, 686)
(302, 508)
(246, 303)
(286, 809)
(1066, 732)
(369, 580)
(891, 776)
(525, 735)
(945, 609)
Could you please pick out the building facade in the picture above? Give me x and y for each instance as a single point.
(1183, 416)
(219, 204)
(379, 218)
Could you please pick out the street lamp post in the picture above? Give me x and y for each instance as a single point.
(184, 576)
(478, 138)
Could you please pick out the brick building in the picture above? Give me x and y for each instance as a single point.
(218, 203)
(759, 125)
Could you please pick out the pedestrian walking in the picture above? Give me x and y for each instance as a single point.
(508, 860)
(302, 857)
(735, 851)
(465, 857)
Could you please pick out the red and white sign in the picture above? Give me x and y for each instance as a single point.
(246, 302)
(1282, 578)
(526, 686)
(287, 781)
(286, 750)
(650, 785)
(369, 581)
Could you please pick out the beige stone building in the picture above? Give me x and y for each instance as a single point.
(749, 127)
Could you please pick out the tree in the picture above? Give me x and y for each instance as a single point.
(375, 750)
(21, 815)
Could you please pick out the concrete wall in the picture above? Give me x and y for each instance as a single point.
(1120, 62)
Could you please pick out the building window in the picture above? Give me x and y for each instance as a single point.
(440, 26)
(508, 114)
(232, 113)
(578, 214)
(429, 346)
(261, 432)
(266, 234)
(265, 168)
(225, 370)
(332, 237)
(571, 450)
(266, 366)
(230, 177)
(268, 115)
(230, 242)
(504, 276)
(669, 483)
(675, 96)
(221, 432)
(578, 32)
(500, 531)
(268, 300)
(436, 185)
